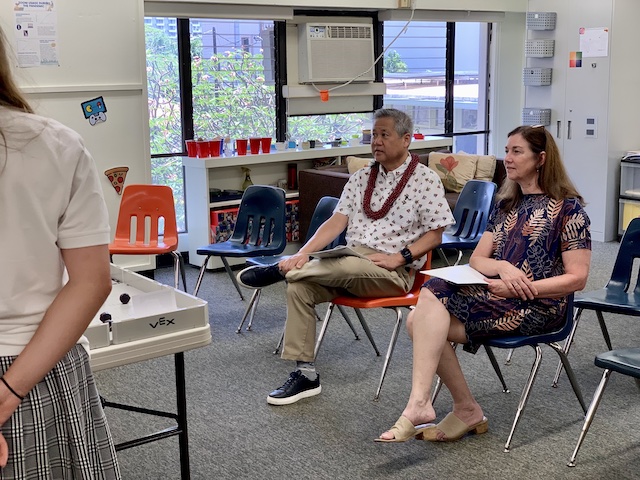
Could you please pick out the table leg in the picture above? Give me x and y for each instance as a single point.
(181, 398)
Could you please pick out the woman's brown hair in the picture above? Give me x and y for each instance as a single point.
(10, 94)
(553, 179)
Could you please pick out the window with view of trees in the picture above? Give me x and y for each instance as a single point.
(227, 87)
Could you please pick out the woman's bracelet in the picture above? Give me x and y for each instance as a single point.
(11, 389)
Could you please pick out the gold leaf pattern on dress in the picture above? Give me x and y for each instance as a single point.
(510, 321)
(554, 208)
(573, 225)
(534, 225)
(511, 220)
(526, 269)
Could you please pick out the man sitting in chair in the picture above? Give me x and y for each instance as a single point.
(394, 212)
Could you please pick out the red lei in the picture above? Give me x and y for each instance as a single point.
(371, 183)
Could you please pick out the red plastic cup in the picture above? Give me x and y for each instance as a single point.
(265, 143)
(254, 145)
(241, 146)
(202, 147)
(214, 147)
(191, 148)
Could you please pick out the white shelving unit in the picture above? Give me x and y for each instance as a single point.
(204, 174)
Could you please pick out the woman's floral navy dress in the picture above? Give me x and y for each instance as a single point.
(531, 236)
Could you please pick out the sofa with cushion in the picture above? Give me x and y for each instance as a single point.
(454, 171)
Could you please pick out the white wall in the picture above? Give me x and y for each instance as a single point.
(101, 53)
(506, 91)
(471, 5)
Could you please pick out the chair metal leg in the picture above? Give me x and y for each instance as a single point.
(348, 320)
(279, 345)
(253, 310)
(603, 327)
(496, 367)
(525, 395)
(591, 412)
(392, 344)
(572, 377)
(443, 256)
(323, 329)
(367, 331)
(567, 345)
(250, 310)
(232, 276)
(507, 361)
(178, 266)
(200, 276)
(459, 257)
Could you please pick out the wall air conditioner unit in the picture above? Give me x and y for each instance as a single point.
(335, 52)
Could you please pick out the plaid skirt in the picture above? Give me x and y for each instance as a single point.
(60, 430)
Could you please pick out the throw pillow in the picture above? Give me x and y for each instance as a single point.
(455, 170)
(356, 163)
(486, 167)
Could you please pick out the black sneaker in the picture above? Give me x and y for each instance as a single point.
(260, 276)
(295, 388)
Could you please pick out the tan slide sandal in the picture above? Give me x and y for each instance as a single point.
(404, 429)
(453, 429)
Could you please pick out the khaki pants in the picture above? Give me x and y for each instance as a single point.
(321, 280)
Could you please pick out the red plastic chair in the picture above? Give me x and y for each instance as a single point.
(397, 303)
(149, 205)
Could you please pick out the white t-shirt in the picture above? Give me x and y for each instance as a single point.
(50, 199)
(421, 207)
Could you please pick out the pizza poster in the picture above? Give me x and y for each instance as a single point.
(117, 176)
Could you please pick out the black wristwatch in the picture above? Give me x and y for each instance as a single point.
(406, 254)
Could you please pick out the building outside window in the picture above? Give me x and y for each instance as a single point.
(415, 72)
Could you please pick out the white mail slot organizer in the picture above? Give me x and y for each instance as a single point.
(151, 309)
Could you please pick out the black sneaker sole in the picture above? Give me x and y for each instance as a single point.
(294, 398)
(251, 286)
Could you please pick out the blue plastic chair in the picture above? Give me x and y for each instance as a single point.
(615, 297)
(259, 231)
(471, 214)
(533, 341)
(625, 361)
(322, 212)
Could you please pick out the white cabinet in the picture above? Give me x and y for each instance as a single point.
(202, 175)
(594, 101)
(629, 202)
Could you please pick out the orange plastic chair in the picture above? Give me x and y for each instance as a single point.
(397, 303)
(149, 205)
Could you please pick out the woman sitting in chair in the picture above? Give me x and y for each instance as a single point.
(536, 251)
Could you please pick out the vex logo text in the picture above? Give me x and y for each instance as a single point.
(163, 322)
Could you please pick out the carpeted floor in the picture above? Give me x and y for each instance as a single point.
(233, 433)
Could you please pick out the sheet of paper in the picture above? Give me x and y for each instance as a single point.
(339, 251)
(458, 274)
(36, 30)
(594, 42)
